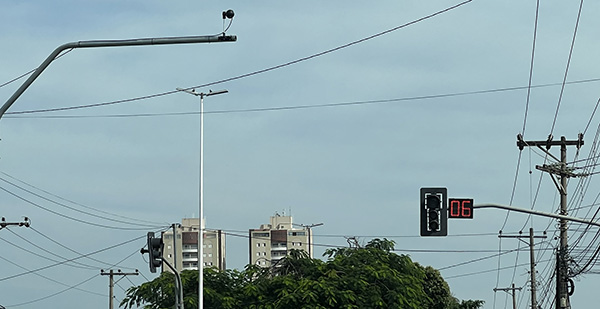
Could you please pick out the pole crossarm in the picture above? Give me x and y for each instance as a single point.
(112, 43)
(4, 224)
(549, 142)
(538, 213)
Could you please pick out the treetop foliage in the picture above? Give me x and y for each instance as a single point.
(369, 277)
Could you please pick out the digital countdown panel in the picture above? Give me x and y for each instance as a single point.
(460, 208)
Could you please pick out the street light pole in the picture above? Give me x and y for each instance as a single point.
(111, 43)
(201, 192)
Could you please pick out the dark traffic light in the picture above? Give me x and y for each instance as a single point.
(434, 212)
(155, 251)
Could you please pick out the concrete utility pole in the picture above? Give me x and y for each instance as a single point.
(512, 292)
(111, 282)
(531, 263)
(560, 169)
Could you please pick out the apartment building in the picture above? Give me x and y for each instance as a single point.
(181, 249)
(271, 242)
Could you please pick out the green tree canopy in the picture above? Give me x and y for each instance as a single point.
(369, 277)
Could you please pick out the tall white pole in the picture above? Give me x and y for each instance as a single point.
(201, 193)
(201, 197)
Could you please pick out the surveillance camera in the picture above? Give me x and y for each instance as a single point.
(228, 14)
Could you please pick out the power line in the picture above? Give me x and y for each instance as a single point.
(567, 68)
(65, 216)
(283, 108)
(82, 265)
(74, 251)
(153, 224)
(73, 287)
(73, 259)
(50, 279)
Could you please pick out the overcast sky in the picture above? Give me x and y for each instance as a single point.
(345, 138)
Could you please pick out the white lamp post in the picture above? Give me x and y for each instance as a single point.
(201, 197)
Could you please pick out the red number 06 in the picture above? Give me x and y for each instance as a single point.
(461, 208)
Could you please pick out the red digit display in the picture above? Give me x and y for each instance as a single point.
(460, 208)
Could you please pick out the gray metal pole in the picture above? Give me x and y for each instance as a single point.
(111, 43)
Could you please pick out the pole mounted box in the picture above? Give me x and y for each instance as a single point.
(434, 211)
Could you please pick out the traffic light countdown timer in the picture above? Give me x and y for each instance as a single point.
(434, 212)
(460, 208)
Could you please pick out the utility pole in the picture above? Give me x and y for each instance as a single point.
(512, 292)
(531, 263)
(560, 169)
(111, 282)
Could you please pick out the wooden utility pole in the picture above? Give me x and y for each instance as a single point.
(560, 169)
(512, 292)
(531, 263)
(111, 282)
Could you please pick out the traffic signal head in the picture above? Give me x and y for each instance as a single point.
(155, 251)
(434, 213)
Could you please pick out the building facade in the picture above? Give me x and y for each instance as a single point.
(181, 249)
(271, 242)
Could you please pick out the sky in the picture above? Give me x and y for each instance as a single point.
(337, 113)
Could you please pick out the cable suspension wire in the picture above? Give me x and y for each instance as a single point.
(31, 71)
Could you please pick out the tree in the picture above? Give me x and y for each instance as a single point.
(369, 277)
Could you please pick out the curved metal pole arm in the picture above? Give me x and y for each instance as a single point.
(535, 212)
(111, 43)
(178, 285)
